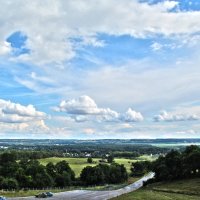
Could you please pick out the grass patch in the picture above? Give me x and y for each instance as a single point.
(178, 190)
(77, 164)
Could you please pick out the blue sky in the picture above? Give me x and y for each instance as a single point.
(91, 69)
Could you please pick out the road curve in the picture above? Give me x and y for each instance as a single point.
(93, 195)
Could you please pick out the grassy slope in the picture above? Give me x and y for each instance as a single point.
(177, 190)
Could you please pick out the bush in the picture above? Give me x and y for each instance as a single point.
(9, 183)
(89, 160)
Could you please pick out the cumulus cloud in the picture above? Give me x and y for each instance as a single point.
(52, 25)
(16, 113)
(172, 117)
(132, 116)
(86, 106)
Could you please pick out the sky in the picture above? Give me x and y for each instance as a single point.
(96, 69)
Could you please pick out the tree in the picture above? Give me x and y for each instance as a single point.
(89, 160)
(8, 157)
(9, 183)
(23, 180)
(103, 173)
(43, 180)
(118, 173)
(51, 170)
(62, 167)
(92, 175)
(137, 169)
(110, 159)
(177, 165)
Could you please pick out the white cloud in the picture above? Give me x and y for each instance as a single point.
(85, 106)
(16, 113)
(156, 46)
(132, 116)
(81, 106)
(170, 4)
(93, 42)
(170, 117)
(53, 24)
(5, 48)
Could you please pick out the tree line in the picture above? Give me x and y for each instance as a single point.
(173, 166)
(29, 173)
(178, 165)
(37, 151)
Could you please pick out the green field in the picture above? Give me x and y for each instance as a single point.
(77, 164)
(177, 190)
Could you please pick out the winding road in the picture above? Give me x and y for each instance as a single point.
(93, 195)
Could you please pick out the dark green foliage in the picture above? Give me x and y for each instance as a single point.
(118, 173)
(89, 160)
(140, 168)
(30, 173)
(63, 167)
(51, 169)
(92, 175)
(110, 159)
(126, 154)
(103, 173)
(9, 183)
(176, 165)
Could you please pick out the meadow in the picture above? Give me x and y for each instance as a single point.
(77, 164)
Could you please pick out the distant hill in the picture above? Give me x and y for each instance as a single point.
(156, 142)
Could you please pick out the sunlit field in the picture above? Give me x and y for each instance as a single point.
(77, 164)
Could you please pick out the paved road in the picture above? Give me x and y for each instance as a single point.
(93, 195)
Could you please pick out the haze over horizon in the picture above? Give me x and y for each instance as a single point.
(90, 69)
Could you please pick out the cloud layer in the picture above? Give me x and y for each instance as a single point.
(170, 117)
(55, 25)
(85, 105)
